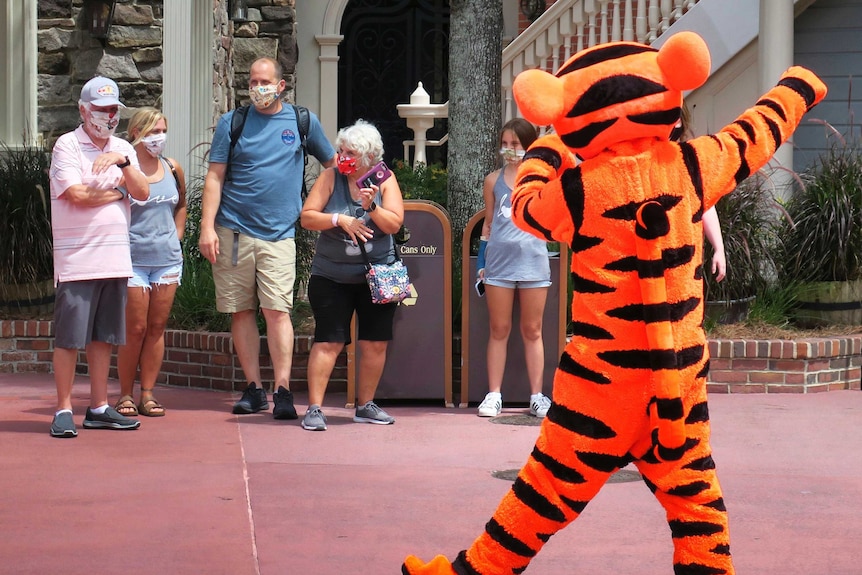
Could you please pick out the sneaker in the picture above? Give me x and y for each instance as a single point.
(283, 404)
(111, 419)
(371, 413)
(491, 405)
(539, 405)
(253, 400)
(63, 425)
(314, 419)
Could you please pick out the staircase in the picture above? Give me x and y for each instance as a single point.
(569, 26)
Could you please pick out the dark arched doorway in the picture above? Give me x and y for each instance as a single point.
(389, 46)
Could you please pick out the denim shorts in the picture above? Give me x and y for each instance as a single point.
(513, 284)
(148, 276)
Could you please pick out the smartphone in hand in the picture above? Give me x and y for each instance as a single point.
(376, 175)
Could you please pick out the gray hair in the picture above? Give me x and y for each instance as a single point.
(364, 139)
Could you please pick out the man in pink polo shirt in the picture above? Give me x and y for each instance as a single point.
(90, 221)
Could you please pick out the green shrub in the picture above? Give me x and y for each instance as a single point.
(26, 251)
(423, 183)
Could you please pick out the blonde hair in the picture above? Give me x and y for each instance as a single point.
(144, 120)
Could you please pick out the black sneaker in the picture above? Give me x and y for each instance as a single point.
(63, 425)
(253, 400)
(111, 419)
(283, 400)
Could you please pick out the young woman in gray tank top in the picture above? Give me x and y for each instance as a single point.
(512, 263)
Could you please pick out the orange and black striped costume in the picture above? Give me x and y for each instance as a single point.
(630, 386)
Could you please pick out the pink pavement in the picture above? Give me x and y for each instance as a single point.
(202, 491)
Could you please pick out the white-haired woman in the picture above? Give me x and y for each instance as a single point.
(346, 213)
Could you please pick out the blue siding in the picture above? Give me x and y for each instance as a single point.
(828, 40)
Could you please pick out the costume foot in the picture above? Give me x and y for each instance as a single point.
(438, 566)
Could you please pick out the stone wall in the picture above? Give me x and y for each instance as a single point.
(69, 56)
(206, 360)
(132, 55)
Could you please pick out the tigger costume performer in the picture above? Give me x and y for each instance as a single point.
(631, 384)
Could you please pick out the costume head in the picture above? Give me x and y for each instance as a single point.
(614, 92)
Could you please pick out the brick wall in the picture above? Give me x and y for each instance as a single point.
(206, 360)
(782, 366)
(192, 359)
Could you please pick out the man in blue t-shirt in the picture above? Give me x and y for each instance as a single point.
(248, 225)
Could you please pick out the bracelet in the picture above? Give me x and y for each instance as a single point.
(372, 207)
(335, 220)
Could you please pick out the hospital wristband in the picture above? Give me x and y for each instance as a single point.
(335, 220)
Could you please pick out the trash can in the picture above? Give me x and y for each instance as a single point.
(419, 357)
(475, 328)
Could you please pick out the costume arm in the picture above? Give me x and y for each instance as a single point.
(539, 205)
(722, 161)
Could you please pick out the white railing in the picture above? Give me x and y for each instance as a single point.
(569, 26)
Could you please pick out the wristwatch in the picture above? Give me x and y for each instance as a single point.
(372, 207)
(125, 164)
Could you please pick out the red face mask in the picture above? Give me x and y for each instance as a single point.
(346, 165)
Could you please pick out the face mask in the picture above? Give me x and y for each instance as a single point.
(511, 155)
(263, 96)
(104, 124)
(155, 144)
(346, 165)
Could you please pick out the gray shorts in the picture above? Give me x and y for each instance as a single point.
(90, 310)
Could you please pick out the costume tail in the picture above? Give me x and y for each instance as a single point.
(438, 566)
(666, 411)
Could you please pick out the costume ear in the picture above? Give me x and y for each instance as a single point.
(539, 96)
(684, 61)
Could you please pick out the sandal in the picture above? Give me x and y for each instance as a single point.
(126, 406)
(151, 408)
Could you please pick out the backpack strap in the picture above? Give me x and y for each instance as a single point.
(173, 171)
(237, 123)
(303, 122)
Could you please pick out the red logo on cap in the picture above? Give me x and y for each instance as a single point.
(106, 90)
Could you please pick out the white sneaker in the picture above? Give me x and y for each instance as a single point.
(539, 405)
(491, 405)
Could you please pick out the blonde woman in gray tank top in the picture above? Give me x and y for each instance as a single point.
(155, 233)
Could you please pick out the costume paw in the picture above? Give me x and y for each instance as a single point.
(438, 566)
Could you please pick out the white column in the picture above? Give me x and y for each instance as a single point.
(187, 98)
(18, 82)
(775, 55)
(329, 82)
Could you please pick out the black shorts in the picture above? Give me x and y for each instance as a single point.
(333, 305)
(90, 310)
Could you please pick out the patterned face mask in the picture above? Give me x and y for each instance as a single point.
(155, 144)
(346, 165)
(104, 124)
(263, 96)
(511, 155)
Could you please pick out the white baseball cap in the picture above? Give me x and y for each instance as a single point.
(101, 91)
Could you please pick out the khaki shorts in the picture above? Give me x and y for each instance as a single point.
(248, 272)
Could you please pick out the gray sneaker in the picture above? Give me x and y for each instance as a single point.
(111, 419)
(371, 413)
(314, 419)
(63, 425)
